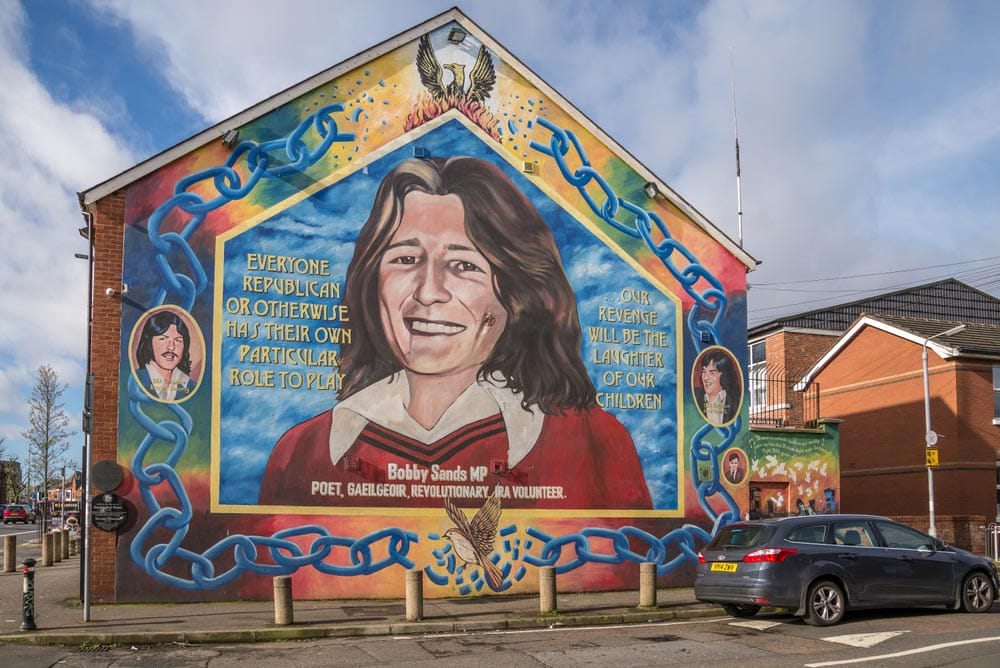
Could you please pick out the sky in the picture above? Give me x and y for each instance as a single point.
(869, 144)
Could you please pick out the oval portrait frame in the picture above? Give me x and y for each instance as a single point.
(196, 353)
(697, 389)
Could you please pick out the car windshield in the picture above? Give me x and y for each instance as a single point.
(741, 536)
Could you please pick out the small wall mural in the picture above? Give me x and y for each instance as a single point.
(422, 317)
(793, 473)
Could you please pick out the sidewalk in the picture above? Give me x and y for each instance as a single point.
(59, 614)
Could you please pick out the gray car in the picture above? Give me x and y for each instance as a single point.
(821, 566)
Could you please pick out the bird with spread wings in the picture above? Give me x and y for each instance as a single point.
(473, 541)
(482, 77)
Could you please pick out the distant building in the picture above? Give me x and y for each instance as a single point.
(866, 359)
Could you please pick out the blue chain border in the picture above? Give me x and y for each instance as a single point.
(287, 556)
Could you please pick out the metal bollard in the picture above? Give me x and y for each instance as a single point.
(283, 613)
(647, 585)
(28, 601)
(547, 589)
(46, 549)
(9, 554)
(65, 543)
(414, 595)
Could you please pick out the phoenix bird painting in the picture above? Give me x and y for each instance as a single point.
(481, 78)
(473, 541)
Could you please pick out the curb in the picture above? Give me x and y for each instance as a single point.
(317, 632)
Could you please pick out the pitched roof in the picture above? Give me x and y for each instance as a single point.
(976, 340)
(948, 299)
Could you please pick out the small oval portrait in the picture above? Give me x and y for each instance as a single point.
(734, 466)
(717, 384)
(167, 354)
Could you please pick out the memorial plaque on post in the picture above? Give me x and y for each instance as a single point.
(107, 511)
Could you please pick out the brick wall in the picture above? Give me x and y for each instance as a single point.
(797, 352)
(109, 226)
(875, 384)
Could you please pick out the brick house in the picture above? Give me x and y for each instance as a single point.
(865, 358)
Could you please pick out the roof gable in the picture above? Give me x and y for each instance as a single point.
(455, 27)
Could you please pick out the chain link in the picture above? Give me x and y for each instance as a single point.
(707, 311)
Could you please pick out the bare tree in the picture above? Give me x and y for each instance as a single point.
(48, 425)
(6, 473)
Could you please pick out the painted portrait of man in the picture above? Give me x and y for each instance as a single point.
(465, 354)
(163, 357)
(717, 386)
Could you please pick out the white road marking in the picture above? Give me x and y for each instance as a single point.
(759, 625)
(909, 652)
(864, 639)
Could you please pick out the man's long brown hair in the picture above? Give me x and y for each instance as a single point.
(538, 354)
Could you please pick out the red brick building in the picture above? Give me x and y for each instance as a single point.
(870, 375)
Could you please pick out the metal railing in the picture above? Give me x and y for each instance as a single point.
(774, 402)
(993, 541)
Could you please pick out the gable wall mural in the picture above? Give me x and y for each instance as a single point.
(423, 316)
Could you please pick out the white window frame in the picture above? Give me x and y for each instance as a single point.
(757, 378)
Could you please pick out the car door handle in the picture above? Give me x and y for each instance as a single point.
(847, 555)
(905, 558)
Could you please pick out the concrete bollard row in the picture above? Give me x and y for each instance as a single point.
(47, 549)
(56, 546)
(64, 543)
(283, 613)
(547, 589)
(647, 585)
(414, 595)
(9, 554)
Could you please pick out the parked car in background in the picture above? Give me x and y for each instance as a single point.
(16, 513)
(823, 566)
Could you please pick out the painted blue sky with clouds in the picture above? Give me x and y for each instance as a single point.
(867, 128)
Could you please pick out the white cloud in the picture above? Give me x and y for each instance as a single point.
(50, 151)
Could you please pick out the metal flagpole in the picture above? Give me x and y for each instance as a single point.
(736, 132)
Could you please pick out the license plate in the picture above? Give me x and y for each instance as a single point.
(725, 567)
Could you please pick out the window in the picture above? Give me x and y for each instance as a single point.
(814, 533)
(853, 533)
(996, 395)
(741, 536)
(902, 537)
(757, 372)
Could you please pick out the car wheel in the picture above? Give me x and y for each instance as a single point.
(977, 593)
(825, 604)
(740, 609)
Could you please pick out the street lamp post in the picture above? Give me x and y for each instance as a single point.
(930, 438)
